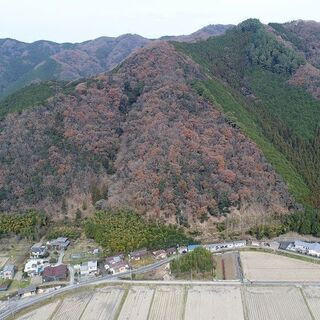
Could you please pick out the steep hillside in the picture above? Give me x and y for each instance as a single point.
(22, 63)
(254, 78)
(138, 137)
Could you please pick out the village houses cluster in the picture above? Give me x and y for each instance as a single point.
(41, 263)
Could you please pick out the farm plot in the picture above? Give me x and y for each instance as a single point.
(260, 266)
(204, 302)
(168, 303)
(312, 295)
(3, 261)
(276, 303)
(137, 304)
(43, 313)
(104, 304)
(72, 307)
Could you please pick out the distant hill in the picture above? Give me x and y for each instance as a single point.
(202, 34)
(23, 63)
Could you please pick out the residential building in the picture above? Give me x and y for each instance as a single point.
(110, 261)
(314, 249)
(159, 254)
(183, 250)
(119, 267)
(35, 266)
(56, 273)
(39, 251)
(138, 254)
(60, 243)
(89, 268)
(240, 243)
(285, 245)
(171, 251)
(9, 271)
(301, 246)
(27, 292)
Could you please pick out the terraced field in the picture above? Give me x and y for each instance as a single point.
(260, 266)
(43, 313)
(214, 302)
(185, 302)
(104, 304)
(168, 303)
(72, 307)
(312, 295)
(137, 304)
(276, 303)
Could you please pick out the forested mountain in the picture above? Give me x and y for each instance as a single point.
(254, 76)
(182, 132)
(23, 63)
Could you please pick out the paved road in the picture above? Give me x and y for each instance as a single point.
(60, 259)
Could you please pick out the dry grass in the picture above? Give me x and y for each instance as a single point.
(276, 303)
(210, 302)
(260, 266)
(168, 303)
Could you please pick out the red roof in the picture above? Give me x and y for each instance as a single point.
(61, 270)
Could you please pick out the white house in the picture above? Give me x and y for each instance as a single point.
(39, 251)
(240, 243)
(159, 254)
(183, 250)
(301, 246)
(314, 249)
(119, 267)
(35, 266)
(89, 268)
(9, 271)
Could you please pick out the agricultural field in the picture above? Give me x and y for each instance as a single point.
(137, 304)
(3, 261)
(312, 295)
(14, 251)
(226, 266)
(81, 250)
(183, 302)
(168, 303)
(260, 266)
(104, 304)
(43, 313)
(213, 302)
(72, 307)
(276, 303)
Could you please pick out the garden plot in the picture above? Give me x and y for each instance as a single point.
(276, 303)
(137, 304)
(312, 295)
(104, 304)
(43, 313)
(3, 261)
(204, 302)
(72, 307)
(260, 266)
(168, 303)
